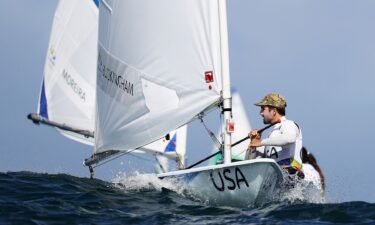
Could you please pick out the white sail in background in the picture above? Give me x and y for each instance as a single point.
(174, 149)
(68, 88)
(176, 143)
(241, 130)
(154, 58)
(242, 127)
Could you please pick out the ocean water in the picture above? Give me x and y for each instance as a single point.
(35, 198)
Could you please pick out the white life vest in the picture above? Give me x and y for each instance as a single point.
(284, 142)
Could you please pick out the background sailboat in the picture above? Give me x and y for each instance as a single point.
(67, 97)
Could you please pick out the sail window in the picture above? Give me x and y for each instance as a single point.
(159, 98)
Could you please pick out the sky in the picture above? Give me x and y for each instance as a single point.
(318, 54)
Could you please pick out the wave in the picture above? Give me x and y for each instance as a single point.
(39, 198)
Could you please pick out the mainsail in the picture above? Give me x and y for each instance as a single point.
(67, 95)
(156, 71)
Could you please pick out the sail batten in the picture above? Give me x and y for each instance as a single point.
(159, 66)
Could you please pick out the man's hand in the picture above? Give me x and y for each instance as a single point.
(254, 134)
(255, 139)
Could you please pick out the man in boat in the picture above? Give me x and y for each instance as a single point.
(284, 142)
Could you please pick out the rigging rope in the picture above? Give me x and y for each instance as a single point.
(210, 133)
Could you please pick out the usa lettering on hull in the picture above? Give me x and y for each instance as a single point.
(228, 179)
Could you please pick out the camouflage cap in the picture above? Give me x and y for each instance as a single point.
(272, 99)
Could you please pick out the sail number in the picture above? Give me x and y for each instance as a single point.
(226, 179)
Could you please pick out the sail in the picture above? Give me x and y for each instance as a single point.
(173, 144)
(242, 127)
(67, 94)
(159, 66)
(174, 148)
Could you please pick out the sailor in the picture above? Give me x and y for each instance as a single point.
(312, 170)
(284, 142)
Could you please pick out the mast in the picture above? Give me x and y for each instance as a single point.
(227, 99)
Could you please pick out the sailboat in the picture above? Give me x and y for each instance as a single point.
(67, 96)
(68, 89)
(162, 64)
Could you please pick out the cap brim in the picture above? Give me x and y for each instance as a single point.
(259, 104)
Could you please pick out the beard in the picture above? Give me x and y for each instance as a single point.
(265, 121)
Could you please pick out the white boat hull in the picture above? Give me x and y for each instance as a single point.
(240, 184)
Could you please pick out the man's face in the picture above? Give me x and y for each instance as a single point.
(268, 113)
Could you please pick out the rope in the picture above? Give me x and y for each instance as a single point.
(210, 133)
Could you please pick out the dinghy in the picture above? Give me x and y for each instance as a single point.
(162, 64)
(159, 65)
(67, 96)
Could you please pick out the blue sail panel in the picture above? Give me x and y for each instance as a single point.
(96, 2)
(171, 147)
(43, 103)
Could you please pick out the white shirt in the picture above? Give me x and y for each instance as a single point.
(284, 141)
